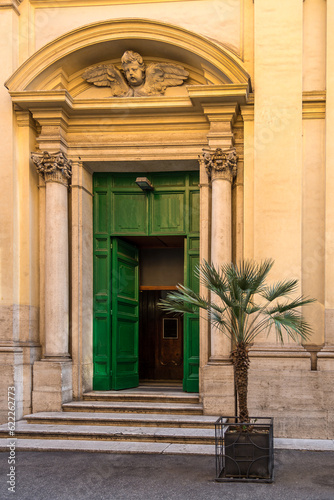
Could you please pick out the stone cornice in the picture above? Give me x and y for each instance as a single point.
(10, 4)
(54, 167)
(220, 163)
(314, 104)
(227, 93)
(62, 99)
(206, 96)
(25, 119)
(94, 3)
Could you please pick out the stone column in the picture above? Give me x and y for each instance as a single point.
(326, 356)
(221, 167)
(53, 374)
(205, 251)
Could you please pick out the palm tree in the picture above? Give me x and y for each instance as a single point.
(242, 306)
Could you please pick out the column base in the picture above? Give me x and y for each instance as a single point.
(326, 358)
(220, 360)
(217, 382)
(52, 385)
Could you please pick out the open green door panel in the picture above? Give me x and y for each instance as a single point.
(191, 321)
(124, 315)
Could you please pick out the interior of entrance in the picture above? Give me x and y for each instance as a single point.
(160, 335)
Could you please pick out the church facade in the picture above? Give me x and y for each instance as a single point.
(137, 139)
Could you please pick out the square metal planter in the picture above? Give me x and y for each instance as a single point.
(245, 452)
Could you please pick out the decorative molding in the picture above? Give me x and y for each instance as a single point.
(54, 167)
(220, 163)
(247, 112)
(314, 104)
(94, 3)
(25, 119)
(11, 4)
(228, 93)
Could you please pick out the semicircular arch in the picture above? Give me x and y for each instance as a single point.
(105, 40)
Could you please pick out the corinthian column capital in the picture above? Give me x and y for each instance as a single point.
(220, 163)
(54, 167)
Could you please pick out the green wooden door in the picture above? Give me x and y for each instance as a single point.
(124, 314)
(122, 209)
(191, 321)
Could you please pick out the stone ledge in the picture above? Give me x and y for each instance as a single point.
(304, 444)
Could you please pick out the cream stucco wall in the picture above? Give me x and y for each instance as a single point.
(221, 20)
(282, 203)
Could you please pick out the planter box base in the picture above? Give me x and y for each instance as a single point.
(244, 452)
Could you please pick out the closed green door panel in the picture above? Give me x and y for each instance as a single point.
(124, 314)
(168, 179)
(101, 211)
(168, 213)
(191, 349)
(101, 318)
(130, 213)
(191, 321)
(194, 211)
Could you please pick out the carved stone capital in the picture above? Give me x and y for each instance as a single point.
(220, 164)
(53, 167)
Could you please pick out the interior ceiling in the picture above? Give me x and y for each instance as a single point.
(156, 241)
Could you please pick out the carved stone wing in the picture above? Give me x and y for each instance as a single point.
(107, 75)
(159, 76)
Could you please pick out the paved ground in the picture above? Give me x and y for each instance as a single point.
(299, 475)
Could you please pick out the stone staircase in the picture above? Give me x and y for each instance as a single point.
(149, 419)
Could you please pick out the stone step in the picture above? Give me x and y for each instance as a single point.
(122, 419)
(108, 446)
(141, 396)
(133, 407)
(184, 435)
(143, 420)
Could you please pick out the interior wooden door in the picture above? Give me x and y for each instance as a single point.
(160, 340)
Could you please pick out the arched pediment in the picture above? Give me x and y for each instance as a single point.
(60, 64)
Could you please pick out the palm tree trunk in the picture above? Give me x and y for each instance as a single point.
(240, 359)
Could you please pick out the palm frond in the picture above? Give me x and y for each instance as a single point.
(184, 300)
(293, 325)
(248, 275)
(233, 308)
(279, 289)
(290, 305)
(214, 281)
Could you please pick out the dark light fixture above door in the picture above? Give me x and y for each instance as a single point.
(144, 184)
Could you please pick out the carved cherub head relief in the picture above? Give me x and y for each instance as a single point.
(134, 68)
(134, 79)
